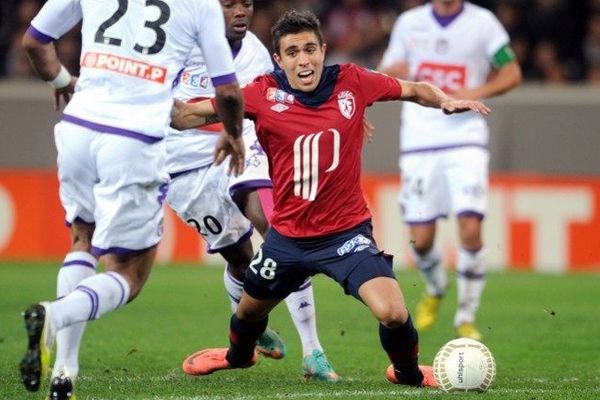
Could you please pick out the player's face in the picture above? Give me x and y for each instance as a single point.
(301, 58)
(238, 15)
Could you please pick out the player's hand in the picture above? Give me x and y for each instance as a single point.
(64, 93)
(369, 129)
(458, 106)
(234, 147)
(183, 117)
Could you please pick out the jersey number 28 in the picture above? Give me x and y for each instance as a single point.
(165, 13)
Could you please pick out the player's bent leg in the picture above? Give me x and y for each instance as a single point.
(398, 336)
(40, 338)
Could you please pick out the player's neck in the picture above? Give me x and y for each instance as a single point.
(235, 45)
(446, 9)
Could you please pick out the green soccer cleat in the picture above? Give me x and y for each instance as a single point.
(427, 312)
(34, 364)
(270, 345)
(317, 367)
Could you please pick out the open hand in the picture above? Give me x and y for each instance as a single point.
(234, 147)
(458, 106)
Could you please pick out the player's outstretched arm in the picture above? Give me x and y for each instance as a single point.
(46, 64)
(192, 115)
(427, 95)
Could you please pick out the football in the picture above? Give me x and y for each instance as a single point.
(464, 365)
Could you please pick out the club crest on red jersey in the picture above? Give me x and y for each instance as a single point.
(346, 103)
(279, 96)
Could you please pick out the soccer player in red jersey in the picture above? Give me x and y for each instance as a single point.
(309, 121)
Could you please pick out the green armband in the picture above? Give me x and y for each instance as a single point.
(503, 56)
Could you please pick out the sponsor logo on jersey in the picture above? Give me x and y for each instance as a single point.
(195, 80)
(125, 66)
(279, 96)
(354, 245)
(447, 77)
(346, 103)
(279, 107)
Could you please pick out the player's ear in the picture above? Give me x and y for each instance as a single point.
(277, 59)
(324, 48)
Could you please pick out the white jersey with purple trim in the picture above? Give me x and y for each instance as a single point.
(451, 57)
(194, 148)
(131, 53)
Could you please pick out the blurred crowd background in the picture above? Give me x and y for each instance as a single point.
(556, 41)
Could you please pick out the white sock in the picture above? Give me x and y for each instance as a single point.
(92, 298)
(234, 289)
(301, 305)
(432, 271)
(470, 279)
(78, 265)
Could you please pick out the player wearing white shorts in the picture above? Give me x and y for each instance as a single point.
(463, 49)
(203, 195)
(111, 161)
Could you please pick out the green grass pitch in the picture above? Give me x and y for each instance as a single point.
(543, 331)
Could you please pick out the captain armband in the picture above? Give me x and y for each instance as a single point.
(503, 56)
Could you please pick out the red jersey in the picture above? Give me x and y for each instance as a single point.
(313, 142)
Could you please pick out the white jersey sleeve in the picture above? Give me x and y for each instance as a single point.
(495, 33)
(57, 17)
(396, 50)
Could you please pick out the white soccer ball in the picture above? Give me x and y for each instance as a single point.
(464, 365)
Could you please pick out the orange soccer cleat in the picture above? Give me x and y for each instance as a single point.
(207, 361)
(427, 371)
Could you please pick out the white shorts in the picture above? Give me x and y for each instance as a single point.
(115, 182)
(256, 167)
(436, 183)
(201, 199)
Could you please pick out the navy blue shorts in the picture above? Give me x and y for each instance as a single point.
(282, 264)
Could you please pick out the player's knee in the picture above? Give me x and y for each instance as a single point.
(392, 317)
(422, 247)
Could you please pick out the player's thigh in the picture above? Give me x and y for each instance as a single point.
(201, 199)
(277, 268)
(132, 185)
(423, 192)
(467, 179)
(76, 171)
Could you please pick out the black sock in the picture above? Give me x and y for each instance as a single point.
(402, 346)
(242, 340)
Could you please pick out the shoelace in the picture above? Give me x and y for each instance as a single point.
(321, 362)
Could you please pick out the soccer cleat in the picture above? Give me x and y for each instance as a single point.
(207, 361)
(34, 364)
(317, 367)
(270, 345)
(61, 388)
(427, 312)
(468, 330)
(428, 377)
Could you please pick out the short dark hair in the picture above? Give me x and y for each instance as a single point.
(294, 21)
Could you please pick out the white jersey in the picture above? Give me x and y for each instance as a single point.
(456, 56)
(194, 148)
(131, 53)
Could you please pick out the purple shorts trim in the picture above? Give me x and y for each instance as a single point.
(187, 171)
(442, 148)
(223, 79)
(83, 263)
(471, 275)
(39, 36)
(234, 299)
(78, 219)
(120, 251)
(246, 236)
(111, 129)
(471, 213)
(253, 184)
(425, 221)
(112, 275)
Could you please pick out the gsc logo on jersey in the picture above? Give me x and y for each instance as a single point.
(354, 245)
(195, 80)
(279, 96)
(447, 77)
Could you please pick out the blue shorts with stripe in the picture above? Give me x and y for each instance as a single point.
(282, 264)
